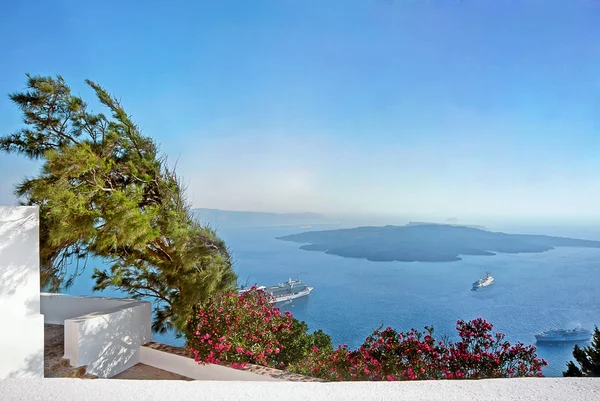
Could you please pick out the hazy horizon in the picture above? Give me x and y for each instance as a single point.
(482, 111)
(583, 229)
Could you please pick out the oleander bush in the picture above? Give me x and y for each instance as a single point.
(391, 355)
(241, 329)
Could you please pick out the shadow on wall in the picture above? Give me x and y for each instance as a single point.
(108, 342)
(22, 333)
(19, 260)
(34, 363)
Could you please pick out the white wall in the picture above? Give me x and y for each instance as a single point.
(103, 334)
(189, 368)
(22, 331)
(57, 308)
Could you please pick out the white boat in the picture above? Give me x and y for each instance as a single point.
(287, 291)
(483, 282)
(564, 335)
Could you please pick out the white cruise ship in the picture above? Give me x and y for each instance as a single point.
(287, 291)
(564, 335)
(483, 282)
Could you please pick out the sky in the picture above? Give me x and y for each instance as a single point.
(469, 109)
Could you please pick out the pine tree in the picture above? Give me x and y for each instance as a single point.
(588, 359)
(104, 190)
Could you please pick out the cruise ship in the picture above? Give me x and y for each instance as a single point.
(483, 282)
(564, 335)
(287, 291)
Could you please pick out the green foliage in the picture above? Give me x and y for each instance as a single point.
(300, 341)
(103, 190)
(588, 359)
(249, 329)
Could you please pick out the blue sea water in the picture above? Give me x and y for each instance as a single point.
(351, 297)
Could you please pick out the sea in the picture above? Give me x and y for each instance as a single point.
(352, 297)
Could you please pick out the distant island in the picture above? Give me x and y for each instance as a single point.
(229, 218)
(423, 242)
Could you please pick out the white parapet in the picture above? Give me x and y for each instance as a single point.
(22, 334)
(103, 334)
(187, 367)
(57, 308)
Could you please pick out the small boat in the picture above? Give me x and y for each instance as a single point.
(483, 282)
(564, 335)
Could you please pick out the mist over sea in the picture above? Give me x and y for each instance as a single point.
(351, 297)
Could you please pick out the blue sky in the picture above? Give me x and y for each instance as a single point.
(438, 108)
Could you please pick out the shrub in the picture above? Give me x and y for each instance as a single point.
(390, 355)
(481, 354)
(299, 341)
(240, 329)
(247, 328)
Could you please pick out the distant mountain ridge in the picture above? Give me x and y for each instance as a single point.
(229, 218)
(426, 242)
(418, 223)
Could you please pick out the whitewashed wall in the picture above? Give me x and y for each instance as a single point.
(22, 330)
(57, 308)
(189, 368)
(103, 334)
